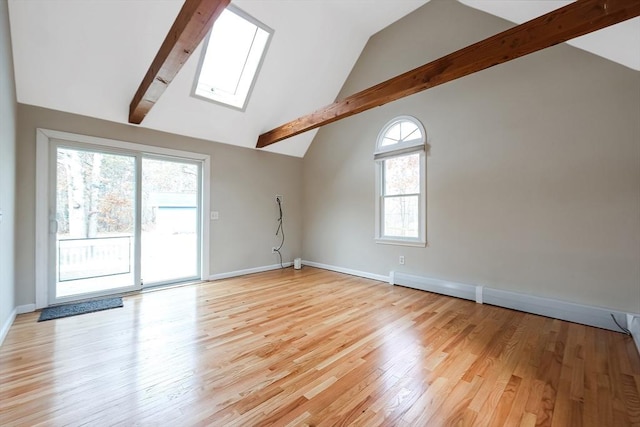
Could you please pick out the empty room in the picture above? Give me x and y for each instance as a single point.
(320, 213)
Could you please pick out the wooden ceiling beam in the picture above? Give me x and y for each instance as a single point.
(573, 20)
(191, 26)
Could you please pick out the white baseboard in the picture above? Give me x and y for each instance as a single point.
(633, 324)
(27, 308)
(7, 324)
(344, 270)
(4, 329)
(578, 313)
(237, 273)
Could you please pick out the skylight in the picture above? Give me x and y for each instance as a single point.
(232, 56)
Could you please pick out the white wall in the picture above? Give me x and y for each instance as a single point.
(533, 176)
(7, 171)
(244, 183)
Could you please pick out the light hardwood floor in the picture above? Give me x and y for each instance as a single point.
(315, 348)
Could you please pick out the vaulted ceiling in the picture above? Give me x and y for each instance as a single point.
(88, 58)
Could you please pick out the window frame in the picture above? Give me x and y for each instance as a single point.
(244, 15)
(400, 149)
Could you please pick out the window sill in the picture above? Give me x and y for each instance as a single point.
(400, 242)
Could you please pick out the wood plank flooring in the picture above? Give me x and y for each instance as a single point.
(314, 348)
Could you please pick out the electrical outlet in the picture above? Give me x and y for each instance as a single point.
(279, 197)
(401, 260)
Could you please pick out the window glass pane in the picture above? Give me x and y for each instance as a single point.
(402, 175)
(233, 54)
(252, 63)
(413, 135)
(401, 217)
(408, 131)
(393, 132)
(229, 45)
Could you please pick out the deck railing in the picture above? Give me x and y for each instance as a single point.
(93, 257)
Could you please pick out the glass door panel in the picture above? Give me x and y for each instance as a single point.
(170, 221)
(95, 215)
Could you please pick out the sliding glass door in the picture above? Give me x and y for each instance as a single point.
(121, 219)
(170, 221)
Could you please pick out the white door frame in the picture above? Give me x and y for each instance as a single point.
(44, 138)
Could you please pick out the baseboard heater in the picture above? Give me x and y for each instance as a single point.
(557, 309)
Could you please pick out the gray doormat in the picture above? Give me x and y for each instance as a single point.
(74, 309)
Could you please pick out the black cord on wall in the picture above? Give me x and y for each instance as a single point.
(280, 229)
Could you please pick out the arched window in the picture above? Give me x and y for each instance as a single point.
(400, 183)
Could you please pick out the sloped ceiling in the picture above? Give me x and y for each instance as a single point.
(88, 58)
(619, 43)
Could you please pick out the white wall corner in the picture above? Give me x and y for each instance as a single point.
(633, 324)
(21, 309)
(479, 290)
(392, 278)
(27, 308)
(4, 330)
